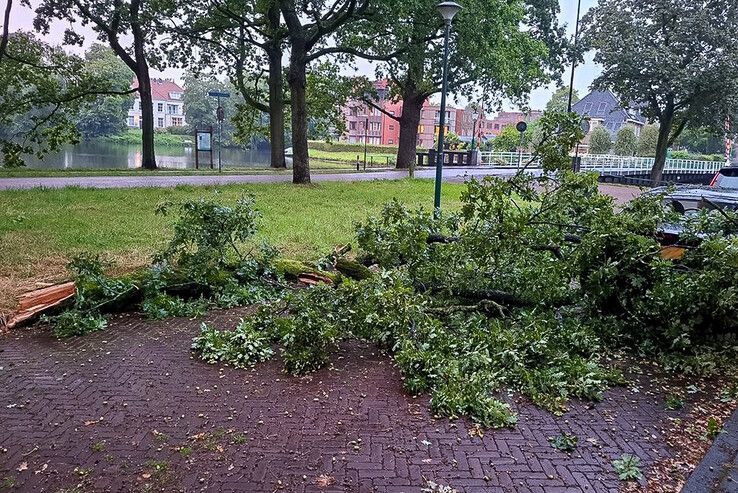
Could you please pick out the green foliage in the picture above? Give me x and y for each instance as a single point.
(713, 428)
(334, 146)
(677, 59)
(674, 402)
(42, 89)
(509, 140)
(107, 114)
(76, 323)
(242, 347)
(628, 467)
(208, 235)
(626, 142)
(600, 141)
(560, 99)
(162, 306)
(564, 442)
(647, 141)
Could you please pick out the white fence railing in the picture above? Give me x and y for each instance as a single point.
(607, 163)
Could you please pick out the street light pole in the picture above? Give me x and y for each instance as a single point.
(447, 10)
(574, 58)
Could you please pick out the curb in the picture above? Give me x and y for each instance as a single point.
(718, 470)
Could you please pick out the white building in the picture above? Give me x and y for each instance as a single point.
(168, 105)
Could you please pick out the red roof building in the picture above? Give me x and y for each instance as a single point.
(167, 102)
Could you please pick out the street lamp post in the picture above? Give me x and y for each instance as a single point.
(475, 116)
(447, 10)
(574, 58)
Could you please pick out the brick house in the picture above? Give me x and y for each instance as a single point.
(167, 102)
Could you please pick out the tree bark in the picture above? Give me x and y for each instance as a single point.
(412, 105)
(662, 145)
(276, 109)
(298, 89)
(276, 95)
(148, 157)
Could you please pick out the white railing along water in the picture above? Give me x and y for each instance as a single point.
(606, 163)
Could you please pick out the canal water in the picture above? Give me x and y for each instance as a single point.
(105, 155)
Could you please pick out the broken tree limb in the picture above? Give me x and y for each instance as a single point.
(352, 269)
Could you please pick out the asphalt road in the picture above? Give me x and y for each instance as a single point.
(456, 174)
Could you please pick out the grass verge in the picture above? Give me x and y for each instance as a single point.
(40, 230)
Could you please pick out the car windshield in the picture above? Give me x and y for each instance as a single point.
(728, 178)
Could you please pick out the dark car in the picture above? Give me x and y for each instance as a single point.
(721, 193)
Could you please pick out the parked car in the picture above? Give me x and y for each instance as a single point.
(288, 157)
(722, 193)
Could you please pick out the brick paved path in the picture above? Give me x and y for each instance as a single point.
(130, 409)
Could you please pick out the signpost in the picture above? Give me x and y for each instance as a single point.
(220, 114)
(204, 143)
(521, 127)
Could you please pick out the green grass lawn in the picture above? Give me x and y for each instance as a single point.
(40, 230)
(350, 157)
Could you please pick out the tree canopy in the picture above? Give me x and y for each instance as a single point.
(560, 99)
(406, 37)
(676, 58)
(600, 141)
(626, 142)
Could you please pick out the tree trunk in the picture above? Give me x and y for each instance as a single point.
(148, 155)
(412, 105)
(662, 145)
(298, 86)
(276, 109)
(276, 96)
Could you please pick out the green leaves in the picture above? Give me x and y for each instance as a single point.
(242, 347)
(628, 467)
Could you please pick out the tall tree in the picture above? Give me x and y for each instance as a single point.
(626, 142)
(114, 21)
(243, 39)
(647, 141)
(600, 141)
(106, 114)
(499, 49)
(309, 26)
(559, 101)
(678, 58)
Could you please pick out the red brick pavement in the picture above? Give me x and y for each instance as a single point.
(131, 409)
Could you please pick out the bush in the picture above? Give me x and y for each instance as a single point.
(162, 306)
(73, 323)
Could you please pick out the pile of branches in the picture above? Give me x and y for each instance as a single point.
(531, 286)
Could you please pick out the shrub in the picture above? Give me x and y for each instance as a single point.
(163, 306)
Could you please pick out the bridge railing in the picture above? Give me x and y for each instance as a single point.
(605, 163)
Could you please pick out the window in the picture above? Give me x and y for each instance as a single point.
(352, 125)
(133, 104)
(175, 95)
(421, 129)
(390, 142)
(601, 108)
(354, 111)
(173, 109)
(177, 121)
(391, 127)
(587, 107)
(131, 121)
(159, 107)
(497, 126)
(375, 126)
(160, 122)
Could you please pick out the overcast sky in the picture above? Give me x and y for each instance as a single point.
(22, 18)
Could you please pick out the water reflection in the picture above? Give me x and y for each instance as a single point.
(104, 155)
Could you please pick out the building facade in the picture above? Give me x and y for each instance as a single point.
(603, 109)
(370, 124)
(167, 102)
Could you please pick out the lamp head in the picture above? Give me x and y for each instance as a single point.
(448, 10)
